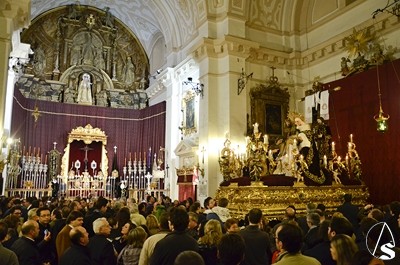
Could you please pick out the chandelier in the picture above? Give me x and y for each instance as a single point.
(381, 118)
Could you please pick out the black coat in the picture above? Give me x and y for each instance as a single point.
(168, 248)
(76, 255)
(322, 253)
(27, 251)
(102, 251)
(258, 246)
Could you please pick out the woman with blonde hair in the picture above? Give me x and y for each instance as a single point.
(152, 224)
(209, 242)
(343, 249)
(131, 252)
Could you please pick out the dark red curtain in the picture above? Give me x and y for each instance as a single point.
(351, 112)
(129, 130)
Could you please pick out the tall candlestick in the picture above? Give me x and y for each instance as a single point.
(265, 139)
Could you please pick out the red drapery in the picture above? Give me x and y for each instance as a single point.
(351, 112)
(129, 130)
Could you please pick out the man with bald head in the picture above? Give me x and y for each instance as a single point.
(25, 247)
(78, 253)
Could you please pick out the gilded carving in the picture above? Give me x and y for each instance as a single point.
(74, 40)
(274, 200)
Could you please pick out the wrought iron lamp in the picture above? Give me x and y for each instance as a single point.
(391, 8)
(381, 118)
(197, 88)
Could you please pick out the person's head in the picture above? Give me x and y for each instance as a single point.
(195, 207)
(136, 237)
(189, 257)
(255, 216)
(223, 202)
(313, 219)
(3, 230)
(30, 229)
(179, 219)
(206, 202)
(56, 214)
(75, 218)
(231, 225)
(340, 225)
(310, 207)
(16, 211)
(164, 221)
(290, 212)
(289, 238)
(347, 197)
(79, 236)
(231, 249)
(152, 222)
(342, 249)
(395, 208)
(127, 227)
(101, 204)
(101, 226)
(75, 206)
(193, 220)
(376, 214)
(212, 232)
(44, 215)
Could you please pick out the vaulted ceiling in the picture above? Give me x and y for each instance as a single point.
(177, 22)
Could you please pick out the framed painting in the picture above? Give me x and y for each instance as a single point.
(273, 119)
(189, 113)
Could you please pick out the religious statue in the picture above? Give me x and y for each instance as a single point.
(108, 18)
(39, 62)
(88, 51)
(99, 60)
(308, 155)
(85, 90)
(128, 72)
(323, 137)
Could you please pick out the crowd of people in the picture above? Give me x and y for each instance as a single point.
(158, 231)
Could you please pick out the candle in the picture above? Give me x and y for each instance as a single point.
(135, 156)
(270, 153)
(351, 138)
(339, 159)
(265, 139)
(333, 146)
(325, 161)
(295, 142)
(29, 152)
(301, 157)
(347, 160)
(125, 161)
(349, 146)
(144, 156)
(38, 151)
(34, 151)
(130, 156)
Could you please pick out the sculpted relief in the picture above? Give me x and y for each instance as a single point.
(90, 58)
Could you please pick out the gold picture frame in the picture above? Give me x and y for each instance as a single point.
(189, 113)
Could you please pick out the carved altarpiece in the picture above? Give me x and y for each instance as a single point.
(72, 40)
(269, 108)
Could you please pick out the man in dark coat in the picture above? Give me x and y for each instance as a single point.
(78, 253)
(168, 248)
(25, 247)
(350, 211)
(101, 248)
(258, 246)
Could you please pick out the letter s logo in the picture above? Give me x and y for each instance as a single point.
(387, 249)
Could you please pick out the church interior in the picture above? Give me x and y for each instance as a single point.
(267, 103)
